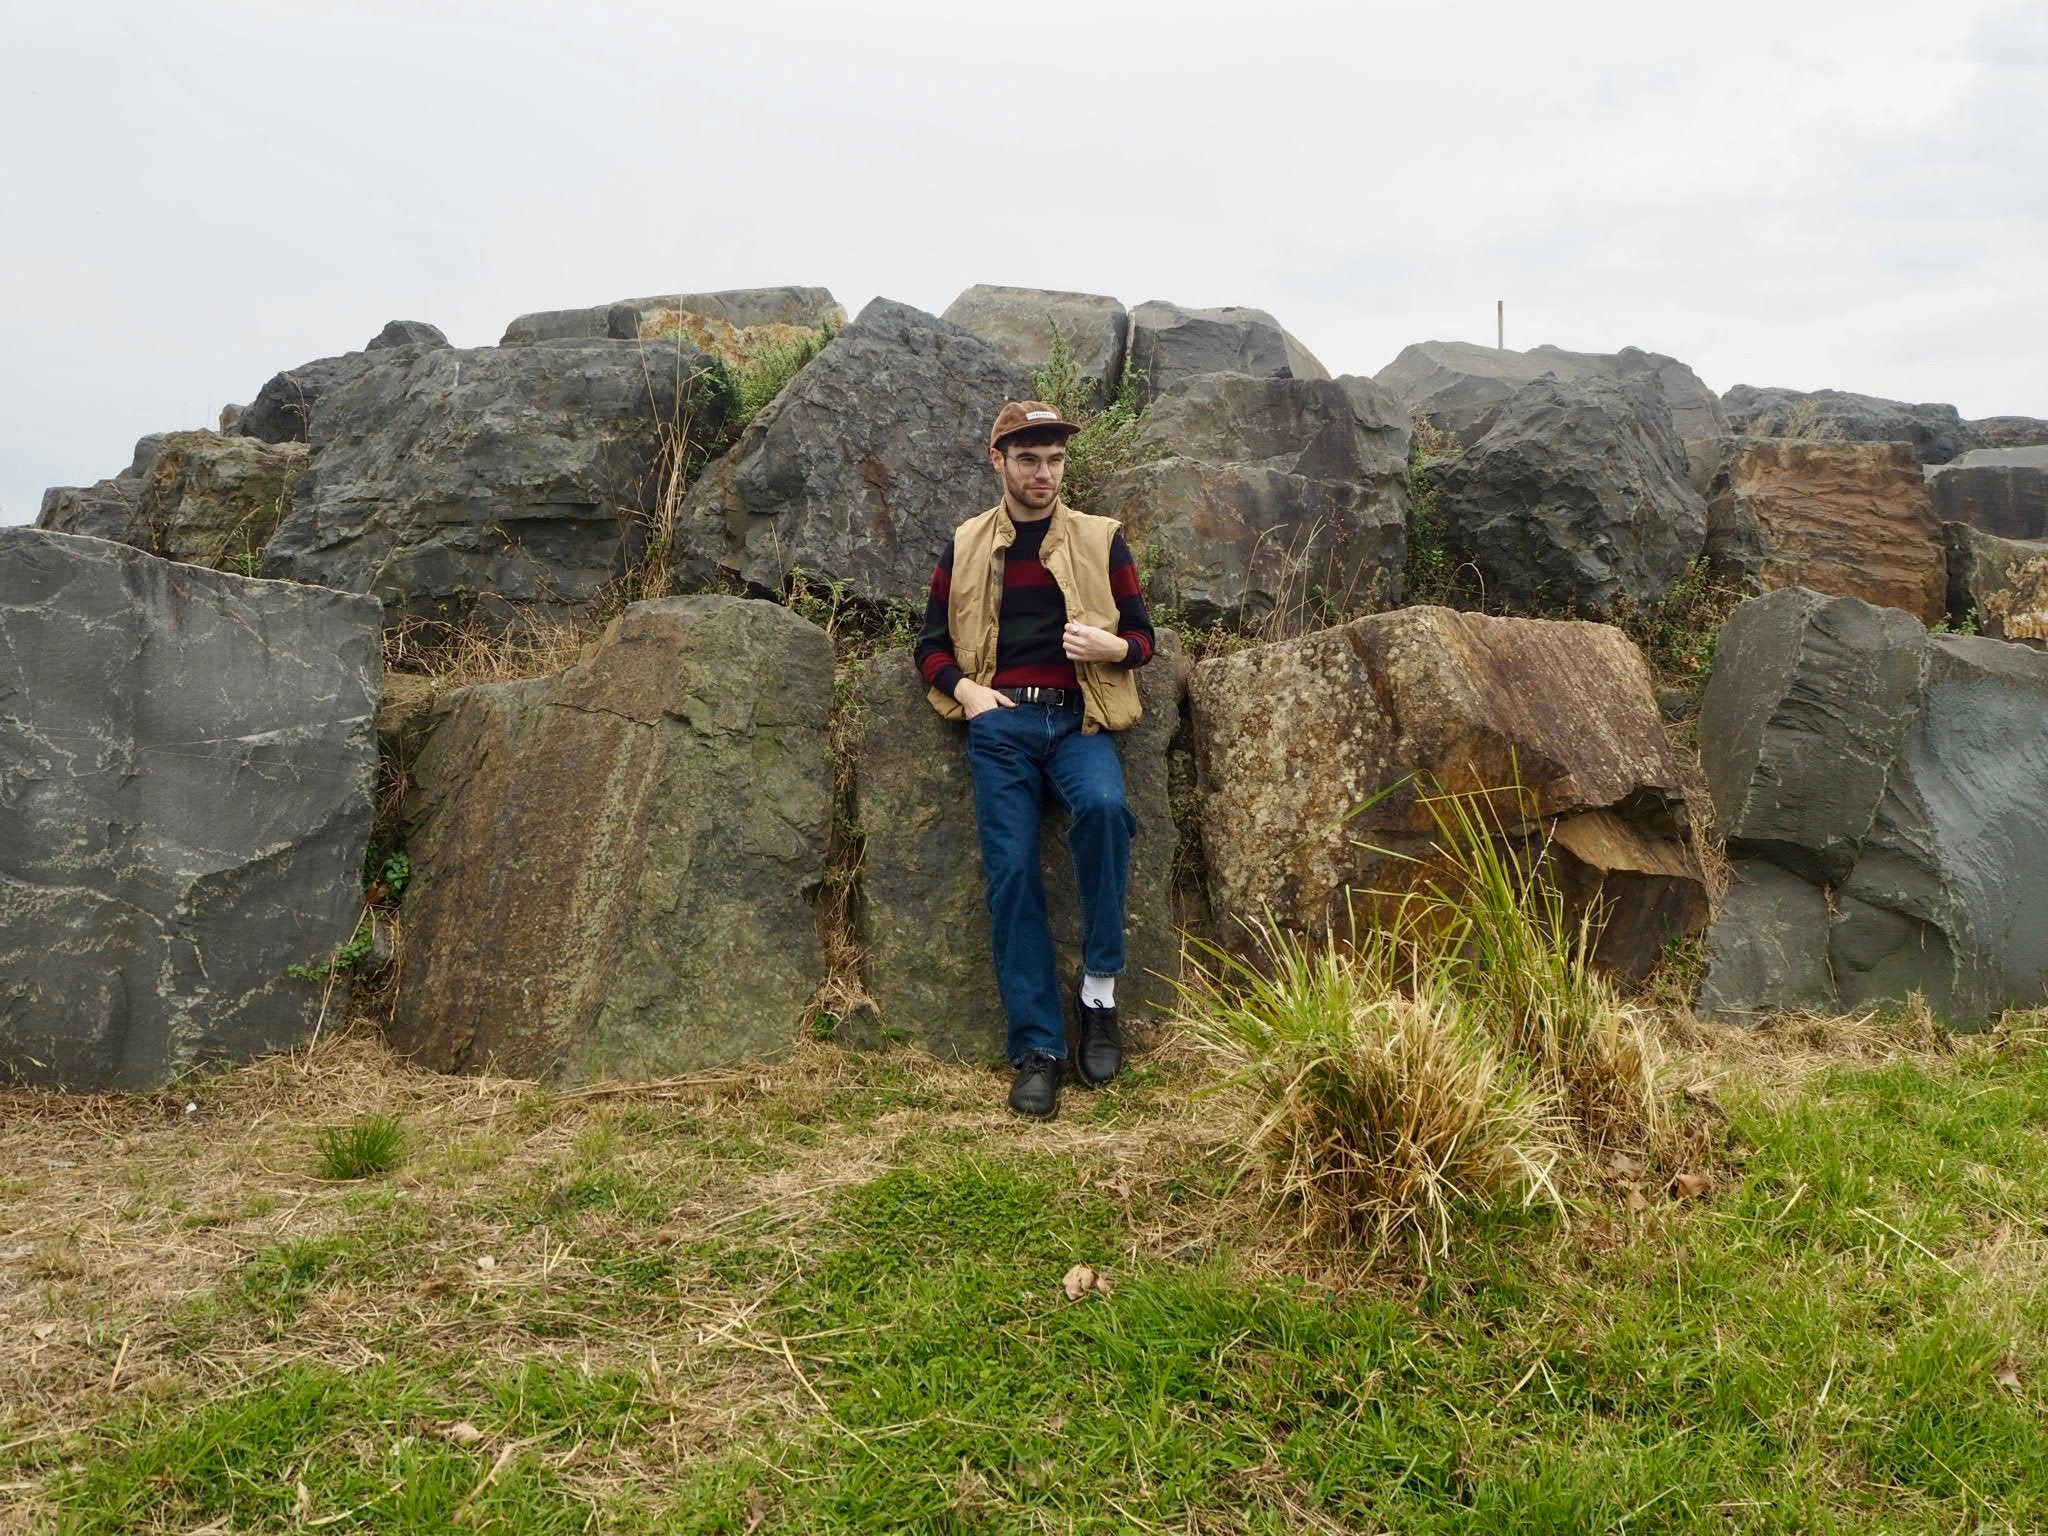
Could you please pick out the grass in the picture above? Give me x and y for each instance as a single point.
(826, 1296)
(372, 1145)
(1458, 1052)
(1379, 1111)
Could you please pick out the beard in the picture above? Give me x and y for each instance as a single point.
(1030, 497)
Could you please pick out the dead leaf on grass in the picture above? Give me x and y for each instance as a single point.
(1081, 1279)
(1690, 1186)
(1622, 1166)
(2008, 1373)
(757, 1510)
(43, 1330)
(1637, 1203)
(302, 1500)
(462, 1432)
(486, 1262)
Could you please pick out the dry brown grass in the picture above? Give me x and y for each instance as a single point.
(122, 1211)
(455, 655)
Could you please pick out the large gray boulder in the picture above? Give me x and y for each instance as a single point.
(186, 765)
(2000, 490)
(924, 916)
(613, 865)
(1459, 386)
(1899, 774)
(1170, 343)
(1800, 723)
(1020, 322)
(1265, 495)
(621, 319)
(285, 408)
(1998, 585)
(453, 483)
(195, 497)
(1317, 758)
(1936, 432)
(1579, 493)
(861, 468)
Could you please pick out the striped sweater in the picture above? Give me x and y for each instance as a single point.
(1034, 616)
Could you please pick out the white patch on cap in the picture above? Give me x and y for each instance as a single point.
(1041, 415)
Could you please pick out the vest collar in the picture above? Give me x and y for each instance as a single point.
(1006, 526)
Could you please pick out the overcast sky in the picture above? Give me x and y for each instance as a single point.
(196, 195)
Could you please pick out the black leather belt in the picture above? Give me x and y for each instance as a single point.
(1058, 698)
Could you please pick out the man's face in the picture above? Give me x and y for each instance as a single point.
(1031, 476)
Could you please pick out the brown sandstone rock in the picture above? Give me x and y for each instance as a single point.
(924, 917)
(612, 864)
(737, 344)
(1313, 755)
(1851, 519)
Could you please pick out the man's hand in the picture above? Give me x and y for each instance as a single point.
(977, 700)
(1084, 642)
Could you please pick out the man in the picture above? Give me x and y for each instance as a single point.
(1032, 629)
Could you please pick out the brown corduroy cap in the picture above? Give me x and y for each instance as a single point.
(1022, 415)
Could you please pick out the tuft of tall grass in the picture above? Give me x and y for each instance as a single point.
(372, 1145)
(1490, 922)
(1449, 1051)
(1382, 1112)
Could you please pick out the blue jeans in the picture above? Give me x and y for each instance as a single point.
(1014, 756)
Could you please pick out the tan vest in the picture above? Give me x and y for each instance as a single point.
(1076, 555)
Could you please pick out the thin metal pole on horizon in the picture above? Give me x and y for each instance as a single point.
(1500, 325)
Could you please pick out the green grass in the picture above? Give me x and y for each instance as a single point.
(373, 1145)
(1826, 1342)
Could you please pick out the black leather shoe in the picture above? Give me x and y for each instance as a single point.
(1036, 1092)
(1099, 1044)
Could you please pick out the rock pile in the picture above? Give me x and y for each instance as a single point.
(619, 867)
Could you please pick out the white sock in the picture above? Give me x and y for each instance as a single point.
(1098, 991)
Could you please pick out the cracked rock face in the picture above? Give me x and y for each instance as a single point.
(1264, 495)
(624, 319)
(186, 762)
(861, 468)
(1899, 776)
(455, 482)
(1578, 493)
(613, 865)
(287, 408)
